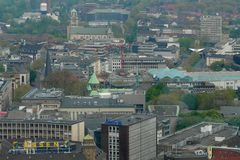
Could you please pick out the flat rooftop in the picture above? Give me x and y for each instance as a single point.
(120, 11)
(92, 102)
(194, 133)
(67, 122)
(36, 93)
(128, 120)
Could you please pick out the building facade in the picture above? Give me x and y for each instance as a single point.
(211, 28)
(5, 95)
(41, 129)
(137, 63)
(130, 138)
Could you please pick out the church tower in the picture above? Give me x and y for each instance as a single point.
(89, 148)
(74, 18)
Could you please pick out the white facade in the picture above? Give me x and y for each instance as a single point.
(89, 37)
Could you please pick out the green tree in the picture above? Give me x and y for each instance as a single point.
(234, 33)
(67, 81)
(2, 69)
(191, 61)
(37, 64)
(217, 66)
(167, 99)
(20, 92)
(192, 118)
(186, 43)
(33, 76)
(155, 91)
(216, 99)
(191, 101)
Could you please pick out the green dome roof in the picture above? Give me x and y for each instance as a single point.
(93, 79)
(88, 137)
(94, 94)
(89, 88)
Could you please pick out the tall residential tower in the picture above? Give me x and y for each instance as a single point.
(211, 29)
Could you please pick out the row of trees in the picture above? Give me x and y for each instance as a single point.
(160, 94)
(44, 26)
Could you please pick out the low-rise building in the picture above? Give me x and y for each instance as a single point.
(88, 105)
(230, 111)
(221, 80)
(43, 98)
(211, 58)
(200, 135)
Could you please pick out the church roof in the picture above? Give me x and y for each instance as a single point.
(89, 30)
(94, 94)
(73, 10)
(93, 79)
(88, 137)
(89, 88)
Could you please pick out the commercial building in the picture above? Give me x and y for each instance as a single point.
(89, 33)
(5, 95)
(42, 129)
(88, 105)
(211, 28)
(200, 135)
(136, 62)
(130, 137)
(43, 98)
(214, 58)
(167, 116)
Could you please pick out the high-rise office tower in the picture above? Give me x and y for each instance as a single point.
(211, 29)
(131, 137)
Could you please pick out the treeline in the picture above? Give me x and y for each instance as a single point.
(160, 94)
(44, 26)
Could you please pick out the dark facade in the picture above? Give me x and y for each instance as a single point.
(129, 137)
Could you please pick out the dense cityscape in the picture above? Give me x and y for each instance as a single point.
(119, 79)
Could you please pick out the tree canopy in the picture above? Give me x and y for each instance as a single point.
(155, 91)
(20, 92)
(67, 81)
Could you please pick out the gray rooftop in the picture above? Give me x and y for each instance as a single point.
(2, 83)
(30, 121)
(194, 133)
(164, 110)
(230, 111)
(92, 102)
(36, 93)
(120, 11)
(128, 120)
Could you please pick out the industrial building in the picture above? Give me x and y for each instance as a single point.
(130, 137)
